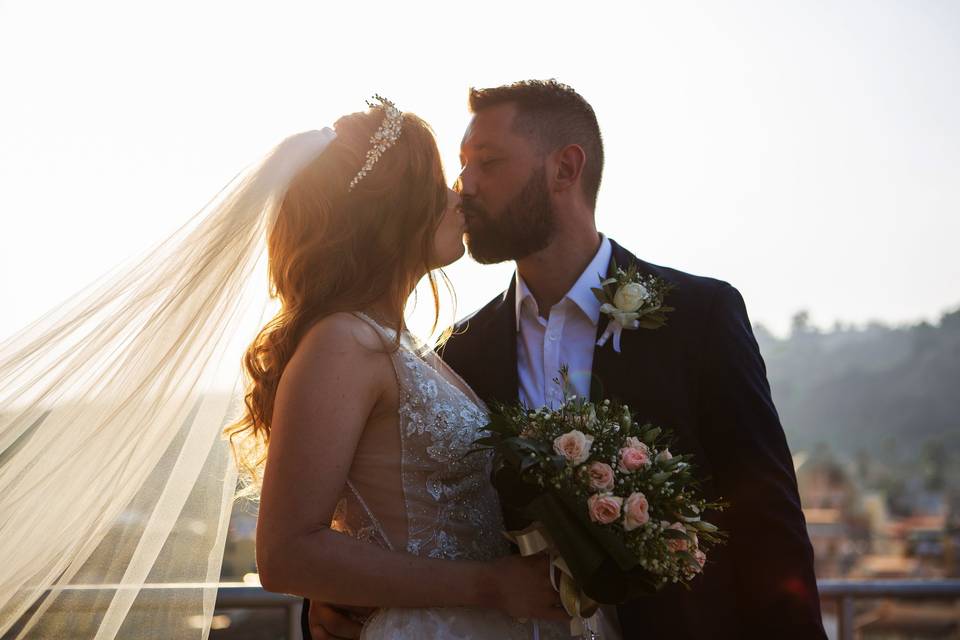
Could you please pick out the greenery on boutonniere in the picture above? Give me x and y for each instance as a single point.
(632, 300)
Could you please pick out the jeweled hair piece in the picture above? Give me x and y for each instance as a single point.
(383, 138)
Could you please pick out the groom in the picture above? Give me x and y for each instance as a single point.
(532, 160)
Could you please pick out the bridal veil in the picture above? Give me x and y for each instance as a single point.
(115, 482)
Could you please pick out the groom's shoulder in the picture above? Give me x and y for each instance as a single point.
(695, 298)
(691, 291)
(477, 323)
(475, 330)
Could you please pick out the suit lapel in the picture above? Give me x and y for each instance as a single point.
(500, 354)
(611, 376)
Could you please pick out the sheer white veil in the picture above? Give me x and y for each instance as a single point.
(115, 482)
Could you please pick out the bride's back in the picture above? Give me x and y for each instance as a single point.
(412, 484)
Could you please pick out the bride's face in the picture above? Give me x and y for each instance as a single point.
(448, 239)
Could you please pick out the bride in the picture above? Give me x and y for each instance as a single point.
(368, 431)
(353, 434)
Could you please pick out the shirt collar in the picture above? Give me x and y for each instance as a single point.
(580, 293)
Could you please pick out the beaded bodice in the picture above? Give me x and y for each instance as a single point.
(451, 509)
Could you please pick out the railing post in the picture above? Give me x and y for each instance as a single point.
(845, 618)
(294, 609)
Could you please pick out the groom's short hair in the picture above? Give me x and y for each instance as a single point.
(554, 115)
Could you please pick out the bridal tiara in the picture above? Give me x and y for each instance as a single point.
(383, 138)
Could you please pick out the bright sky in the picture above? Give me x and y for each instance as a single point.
(807, 152)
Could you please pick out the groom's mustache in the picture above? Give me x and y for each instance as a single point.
(472, 210)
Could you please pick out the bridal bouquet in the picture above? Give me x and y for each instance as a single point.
(604, 494)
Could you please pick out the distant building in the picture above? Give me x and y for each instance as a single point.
(837, 524)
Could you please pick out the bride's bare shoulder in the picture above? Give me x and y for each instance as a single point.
(337, 352)
(342, 332)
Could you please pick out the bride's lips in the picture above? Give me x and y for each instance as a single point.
(466, 220)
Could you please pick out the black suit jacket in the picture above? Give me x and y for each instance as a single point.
(702, 377)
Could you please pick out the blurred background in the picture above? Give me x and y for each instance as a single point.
(806, 152)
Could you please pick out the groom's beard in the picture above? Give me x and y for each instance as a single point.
(525, 225)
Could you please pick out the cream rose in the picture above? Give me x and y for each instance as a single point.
(574, 446)
(604, 508)
(630, 297)
(701, 559)
(632, 458)
(635, 511)
(601, 476)
(678, 544)
(664, 455)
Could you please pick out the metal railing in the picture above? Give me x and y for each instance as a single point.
(239, 595)
(844, 593)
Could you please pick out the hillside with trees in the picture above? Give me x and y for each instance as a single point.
(887, 397)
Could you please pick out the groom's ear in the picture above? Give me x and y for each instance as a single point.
(568, 167)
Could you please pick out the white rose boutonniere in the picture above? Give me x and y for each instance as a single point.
(632, 301)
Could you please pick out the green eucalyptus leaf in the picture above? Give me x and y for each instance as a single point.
(613, 266)
(650, 434)
(660, 477)
(528, 462)
(688, 558)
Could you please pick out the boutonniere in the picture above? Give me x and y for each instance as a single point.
(632, 300)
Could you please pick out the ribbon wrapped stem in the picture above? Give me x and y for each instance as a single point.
(578, 605)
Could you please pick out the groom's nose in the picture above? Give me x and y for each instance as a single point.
(465, 185)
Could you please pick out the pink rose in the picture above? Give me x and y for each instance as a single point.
(604, 508)
(701, 558)
(632, 458)
(601, 476)
(635, 511)
(634, 442)
(574, 446)
(678, 544)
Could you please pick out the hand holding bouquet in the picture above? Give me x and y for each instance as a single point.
(605, 494)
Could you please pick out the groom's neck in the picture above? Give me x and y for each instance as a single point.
(551, 272)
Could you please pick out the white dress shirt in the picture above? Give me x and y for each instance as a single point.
(565, 337)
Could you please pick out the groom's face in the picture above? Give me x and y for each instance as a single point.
(503, 187)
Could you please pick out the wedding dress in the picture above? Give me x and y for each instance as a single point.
(442, 505)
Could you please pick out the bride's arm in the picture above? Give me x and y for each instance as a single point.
(333, 384)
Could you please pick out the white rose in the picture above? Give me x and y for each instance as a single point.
(630, 297)
(627, 319)
(574, 446)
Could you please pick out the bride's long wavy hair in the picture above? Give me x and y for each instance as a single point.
(334, 250)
